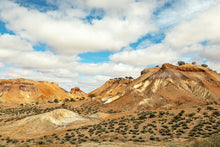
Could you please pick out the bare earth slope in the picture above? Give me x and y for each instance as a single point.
(76, 92)
(28, 91)
(170, 86)
(43, 123)
(112, 87)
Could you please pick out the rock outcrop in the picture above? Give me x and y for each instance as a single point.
(76, 93)
(170, 85)
(30, 91)
(111, 90)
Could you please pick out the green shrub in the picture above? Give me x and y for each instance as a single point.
(204, 65)
(180, 63)
(152, 138)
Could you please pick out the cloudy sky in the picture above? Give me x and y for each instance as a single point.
(83, 43)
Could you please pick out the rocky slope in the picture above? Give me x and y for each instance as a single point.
(51, 121)
(76, 93)
(112, 89)
(168, 86)
(41, 123)
(29, 91)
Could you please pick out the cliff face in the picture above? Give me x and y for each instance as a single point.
(170, 86)
(28, 91)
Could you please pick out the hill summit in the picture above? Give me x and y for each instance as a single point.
(166, 86)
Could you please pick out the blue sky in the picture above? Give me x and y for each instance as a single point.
(86, 42)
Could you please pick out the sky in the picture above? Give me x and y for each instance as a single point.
(83, 43)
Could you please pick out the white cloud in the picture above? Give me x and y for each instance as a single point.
(73, 35)
(8, 42)
(205, 27)
(181, 10)
(17, 52)
(106, 4)
(155, 54)
(108, 69)
(89, 84)
(211, 52)
(2, 65)
(14, 72)
(64, 69)
(214, 65)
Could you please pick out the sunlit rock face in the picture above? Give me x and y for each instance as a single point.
(76, 93)
(112, 90)
(29, 91)
(170, 86)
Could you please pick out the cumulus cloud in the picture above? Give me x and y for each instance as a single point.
(204, 27)
(213, 65)
(177, 11)
(17, 52)
(8, 42)
(25, 62)
(108, 69)
(155, 54)
(211, 52)
(74, 35)
(90, 83)
(79, 26)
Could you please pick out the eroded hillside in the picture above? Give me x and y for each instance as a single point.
(76, 93)
(165, 105)
(30, 91)
(166, 87)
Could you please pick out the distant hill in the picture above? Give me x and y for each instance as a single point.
(29, 91)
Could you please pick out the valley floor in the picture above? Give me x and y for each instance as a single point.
(173, 127)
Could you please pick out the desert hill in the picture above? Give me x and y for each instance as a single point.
(164, 106)
(76, 92)
(165, 87)
(111, 90)
(112, 87)
(29, 91)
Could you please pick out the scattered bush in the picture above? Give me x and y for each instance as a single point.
(180, 63)
(204, 65)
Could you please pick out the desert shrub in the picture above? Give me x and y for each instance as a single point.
(152, 138)
(216, 113)
(111, 140)
(14, 141)
(94, 139)
(191, 114)
(40, 142)
(210, 108)
(72, 100)
(92, 96)
(180, 63)
(152, 115)
(204, 65)
(142, 117)
(213, 141)
(55, 100)
(82, 140)
(66, 100)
